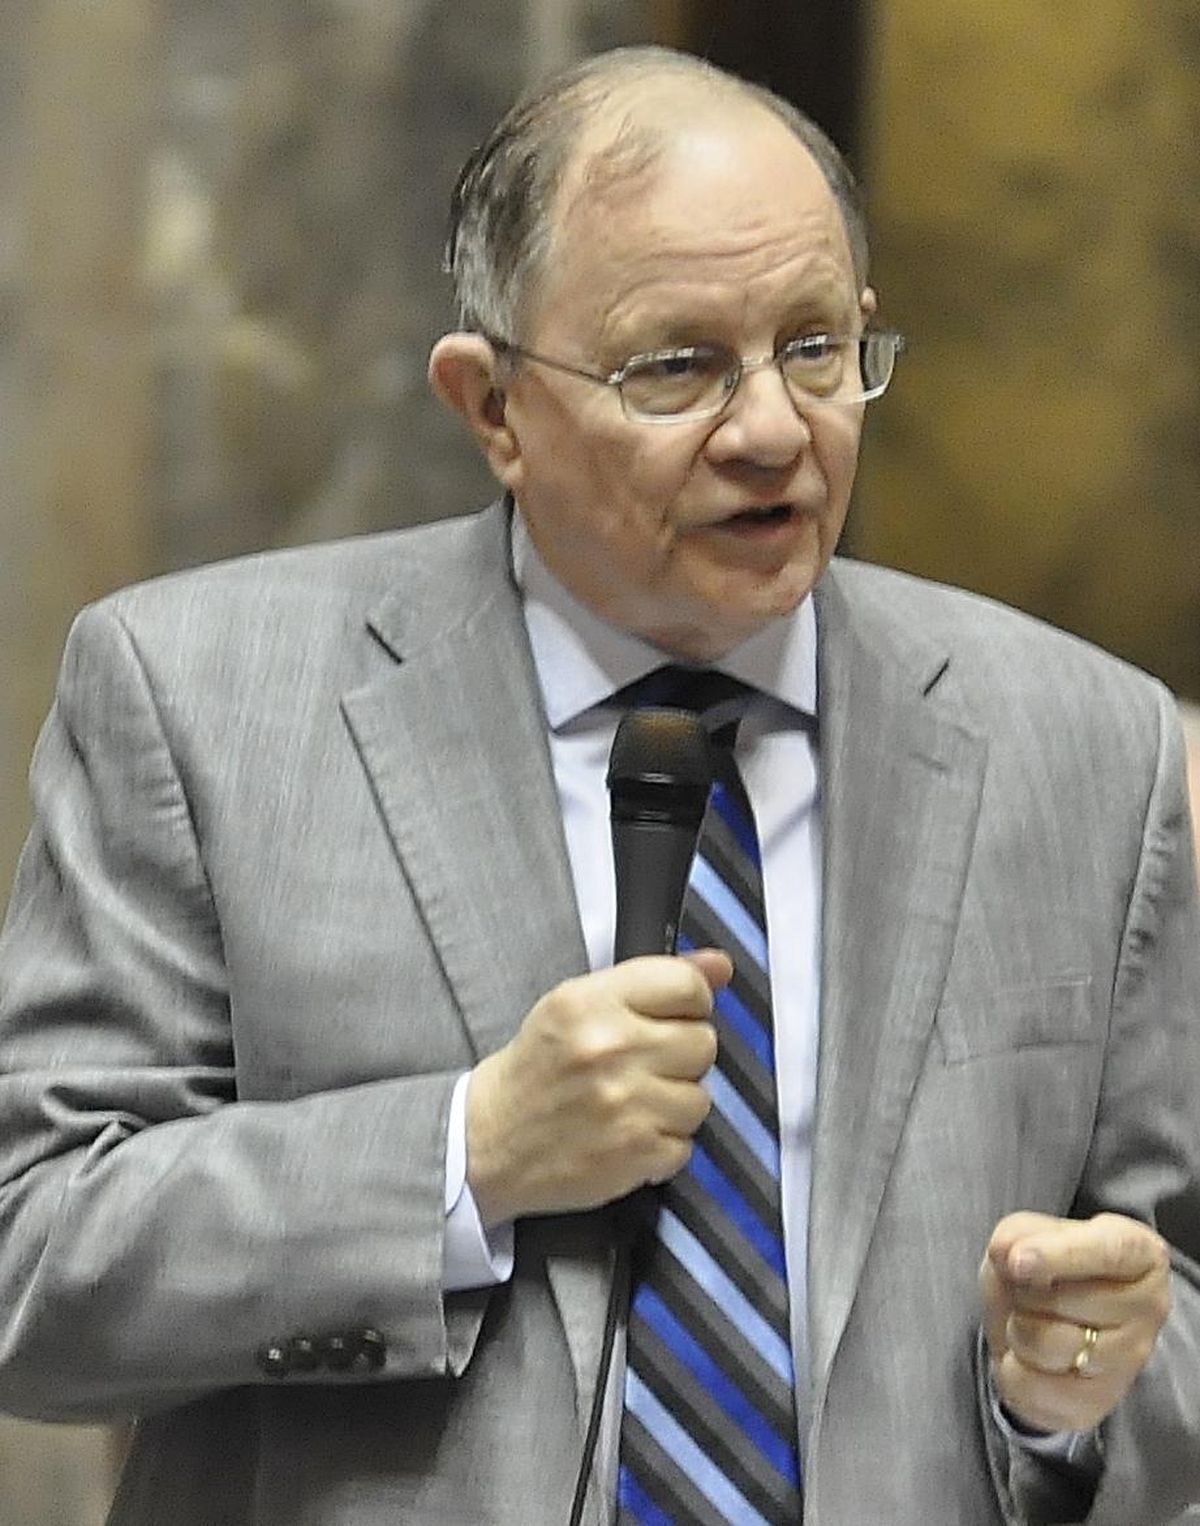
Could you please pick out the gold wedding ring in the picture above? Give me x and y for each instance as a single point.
(1081, 1365)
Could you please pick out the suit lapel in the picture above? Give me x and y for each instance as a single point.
(901, 778)
(454, 741)
(453, 738)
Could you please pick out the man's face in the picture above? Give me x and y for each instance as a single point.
(693, 534)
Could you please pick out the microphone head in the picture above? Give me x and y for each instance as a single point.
(660, 768)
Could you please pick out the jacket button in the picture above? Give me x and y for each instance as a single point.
(274, 1359)
(303, 1355)
(339, 1351)
(372, 1350)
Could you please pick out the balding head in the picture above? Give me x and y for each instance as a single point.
(604, 122)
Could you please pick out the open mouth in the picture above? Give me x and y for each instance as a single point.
(775, 513)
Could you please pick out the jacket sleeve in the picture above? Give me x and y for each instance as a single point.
(159, 1236)
(1144, 1161)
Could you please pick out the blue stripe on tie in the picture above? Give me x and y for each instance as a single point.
(687, 1456)
(716, 894)
(748, 1028)
(718, 1383)
(740, 1018)
(744, 1122)
(632, 1497)
(724, 1292)
(703, 1169)
(734, 818)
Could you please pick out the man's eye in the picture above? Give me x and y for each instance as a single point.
(810, 347)
(676, 381)
(677, 365)
(674, 365)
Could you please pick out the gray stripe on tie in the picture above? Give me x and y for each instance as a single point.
(666, 1483)
(745, 1072)
(702, 925)
(743, 1168)
(715, 1432)
(740, 1261)
(711, 1326)
(728, 858)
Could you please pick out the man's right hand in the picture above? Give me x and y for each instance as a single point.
(599, 1091)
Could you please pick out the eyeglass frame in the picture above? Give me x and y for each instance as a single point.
(742, 365)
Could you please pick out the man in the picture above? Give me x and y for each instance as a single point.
(313, 1108)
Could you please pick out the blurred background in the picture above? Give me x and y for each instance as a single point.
(220, 237)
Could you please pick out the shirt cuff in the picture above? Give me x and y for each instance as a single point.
(1072, 1447)
(472, 1256)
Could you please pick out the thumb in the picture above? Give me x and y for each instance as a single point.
(714, 964)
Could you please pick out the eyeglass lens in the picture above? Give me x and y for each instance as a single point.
(702, 377)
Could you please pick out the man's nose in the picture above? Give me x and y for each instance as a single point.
(761, 423)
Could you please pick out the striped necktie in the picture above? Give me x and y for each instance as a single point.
(708, 1433)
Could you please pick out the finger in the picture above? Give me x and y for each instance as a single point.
(1109, 1247)
(679, 1049)
(1055, 1401)
(1014, 1227)
(670, 1157)
(663, 985)
(997, 1306)
(679, 1107)
(713, 963)
(1060, 1347)
(1090, 1302)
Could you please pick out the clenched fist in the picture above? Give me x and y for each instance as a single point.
(599, 1091)
(1046, 1283)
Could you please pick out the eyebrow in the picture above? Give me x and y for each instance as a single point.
(831, 312)
(835, 311)
(683, 334)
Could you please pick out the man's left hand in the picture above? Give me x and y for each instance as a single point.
(1046, 1283)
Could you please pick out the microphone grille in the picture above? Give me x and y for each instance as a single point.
(661, 759)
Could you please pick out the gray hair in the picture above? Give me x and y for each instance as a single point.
(502, 210)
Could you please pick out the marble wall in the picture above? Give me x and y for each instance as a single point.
(220, 242)
(1035, 176)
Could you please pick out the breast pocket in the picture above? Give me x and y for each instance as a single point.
(1059, 1011)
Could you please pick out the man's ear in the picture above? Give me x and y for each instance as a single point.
(465, 373)
(868, 303)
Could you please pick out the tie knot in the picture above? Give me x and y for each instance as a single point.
(716, 698)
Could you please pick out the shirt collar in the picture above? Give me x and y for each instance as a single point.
(581, 660)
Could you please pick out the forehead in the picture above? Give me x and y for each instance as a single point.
(720, 219)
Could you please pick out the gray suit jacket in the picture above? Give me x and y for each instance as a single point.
(298, 862)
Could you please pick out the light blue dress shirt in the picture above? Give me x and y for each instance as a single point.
(581, 661)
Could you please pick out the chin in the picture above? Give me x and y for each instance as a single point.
(780, 595)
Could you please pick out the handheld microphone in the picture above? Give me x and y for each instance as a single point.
(660, 771)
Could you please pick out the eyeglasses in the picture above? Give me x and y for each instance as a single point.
(696, 381)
